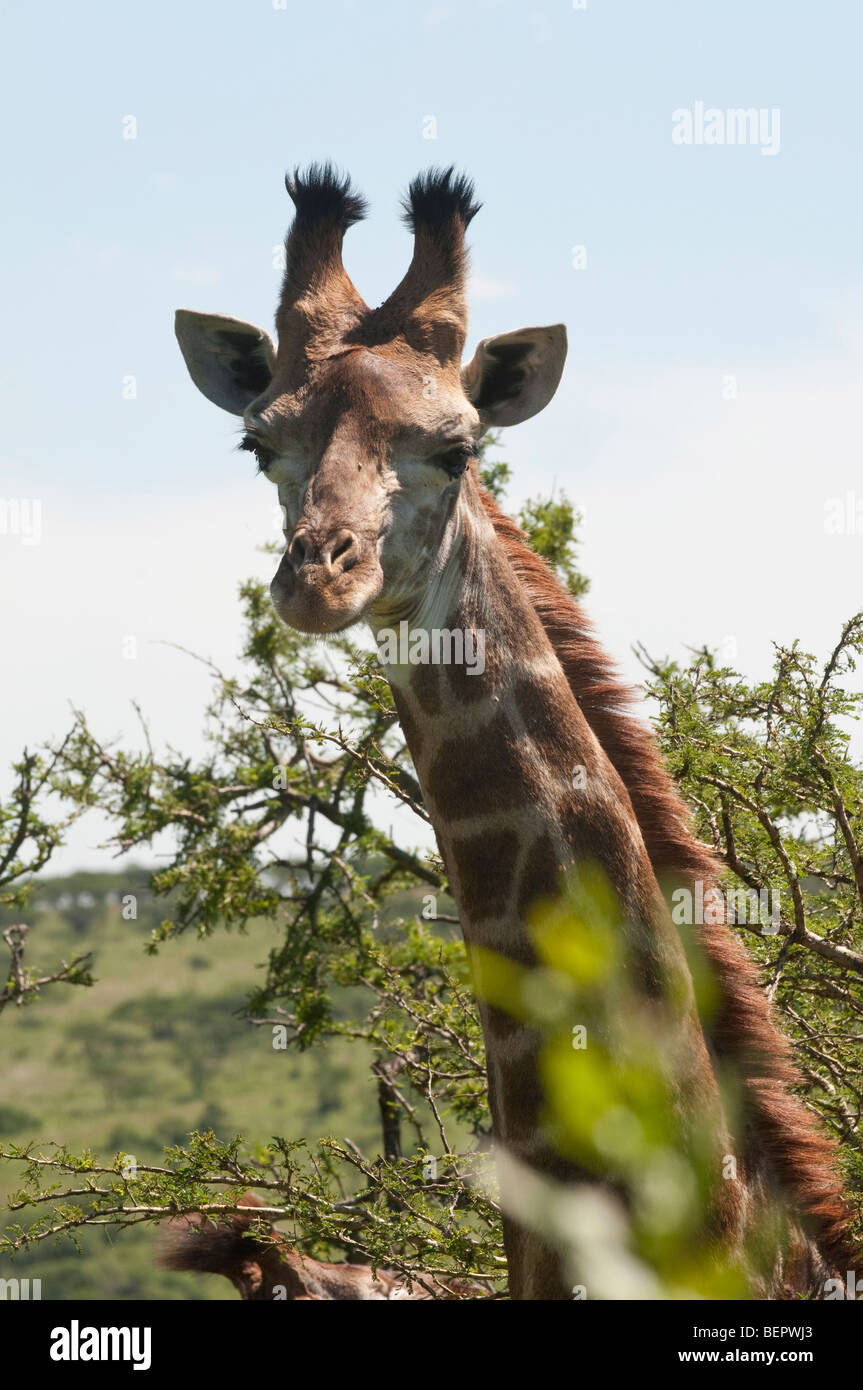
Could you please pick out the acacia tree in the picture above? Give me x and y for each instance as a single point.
(29, 835)
(284, 818)
(769, 771)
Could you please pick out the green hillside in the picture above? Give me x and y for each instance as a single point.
(154, 1049)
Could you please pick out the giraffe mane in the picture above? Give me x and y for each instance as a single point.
(800, 1156)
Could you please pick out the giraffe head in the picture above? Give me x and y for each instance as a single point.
(366, 419)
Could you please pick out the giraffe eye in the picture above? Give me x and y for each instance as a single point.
(254, 446)
(454, 461)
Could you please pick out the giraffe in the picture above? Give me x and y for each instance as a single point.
(367, 421)
(263, 1267)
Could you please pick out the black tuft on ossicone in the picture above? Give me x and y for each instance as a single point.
(322, 192)
(436, 195)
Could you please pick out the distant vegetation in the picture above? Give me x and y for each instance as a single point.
(156, 1049)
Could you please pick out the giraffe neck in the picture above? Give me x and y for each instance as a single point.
(519, 790)
(517, 786)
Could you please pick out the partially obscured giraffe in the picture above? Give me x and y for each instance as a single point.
(367, 422)
(263, 1267)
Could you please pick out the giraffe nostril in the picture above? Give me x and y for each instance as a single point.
(343, 551)
(297, 551)
(342, 548)
(340, 552)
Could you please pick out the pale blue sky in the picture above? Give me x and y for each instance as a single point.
(702, 262)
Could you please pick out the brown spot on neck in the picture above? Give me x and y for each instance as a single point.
(425, 684)
(484, 865)
(482, 772)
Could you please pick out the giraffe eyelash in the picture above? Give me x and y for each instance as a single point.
(262, 454)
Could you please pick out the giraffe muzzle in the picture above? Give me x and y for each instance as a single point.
(325, 583)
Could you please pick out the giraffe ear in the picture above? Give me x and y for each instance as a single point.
(513, 376)
(230, 362)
